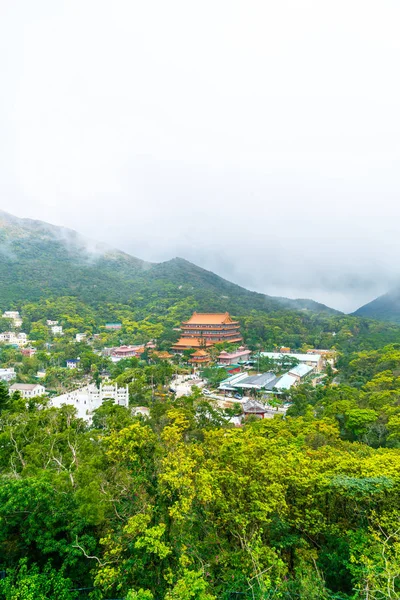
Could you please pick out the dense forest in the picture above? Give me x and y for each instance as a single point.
(384, 308)
(183, 505)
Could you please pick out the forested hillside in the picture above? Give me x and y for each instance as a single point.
(41, 260)
(385, 308)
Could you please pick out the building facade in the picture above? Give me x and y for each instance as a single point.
(113, 326)
(14, 316)
(28, 390)
(57, 330)
(206, 329)
(121, 352)
(313, 360)
(232, 358)
(200, 357)
(14, 339)
(89, 398)
(7, 374)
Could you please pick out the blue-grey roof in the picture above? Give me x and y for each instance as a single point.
(285, 382)
(300, 357)
(255, 381)
(301, 370)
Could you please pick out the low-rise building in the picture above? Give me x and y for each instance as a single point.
(28, 352)
(14, 339)
(200, 357)
(300, 371)
(14, 316)
(7, 374)
(113, 326)
(28, 390)
(51, 323)
(231, 358)
(255, 382)
(121, 352)
(284, 383)
(144, 411)
(162, 355)
(72, 363)
(56, 330)
(284, 349)
(89, 398)
(252, 407)
(80, 337)
(313, 360)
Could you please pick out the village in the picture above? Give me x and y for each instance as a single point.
(210, 358)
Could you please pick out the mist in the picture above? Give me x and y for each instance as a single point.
(257, 139)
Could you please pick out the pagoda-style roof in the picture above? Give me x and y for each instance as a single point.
(162, 355)
(209, 319)
(201, 353)
(191, 343)
(253, 407)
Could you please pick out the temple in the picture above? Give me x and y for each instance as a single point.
(203, 330)
(200, 357)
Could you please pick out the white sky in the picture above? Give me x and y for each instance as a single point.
(260, 139)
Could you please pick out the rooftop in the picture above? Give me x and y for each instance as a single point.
(301, 370)
(254, 407)
(200, 353)
(209, 319)
(285, 355)
(255, 381)
(285, 382)
(235, 354)
(192, 343)
(24, 386)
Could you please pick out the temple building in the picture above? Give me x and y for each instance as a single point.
(203, 330)
(200, 357)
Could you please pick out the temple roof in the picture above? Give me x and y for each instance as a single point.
(162, 354)
(254, 407)
(192, 343)
(200, 353)
(209, 319)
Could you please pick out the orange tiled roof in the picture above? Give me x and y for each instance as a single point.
(209, 318)
(200, 353)
(192, 343)
(162, 354)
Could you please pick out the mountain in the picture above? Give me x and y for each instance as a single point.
(384, 308)
(41, 260)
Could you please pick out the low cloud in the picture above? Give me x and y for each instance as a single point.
(258, 140)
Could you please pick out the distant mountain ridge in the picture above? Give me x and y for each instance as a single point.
(38, 259)
(383, 308)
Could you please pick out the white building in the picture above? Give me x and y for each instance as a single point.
(57, 330)
(300, 371)
(312, 360)
(72, 363)
(14, 315)
(15, 339)
(7, 374)
(50, 322)
(80, 337)
(28, 390)
(88, 398)
(141, 410)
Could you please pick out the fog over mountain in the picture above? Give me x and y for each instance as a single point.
(259, 140)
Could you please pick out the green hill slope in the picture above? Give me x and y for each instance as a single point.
(40, 260)
(384, 308)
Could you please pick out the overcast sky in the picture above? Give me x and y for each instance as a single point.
(257, 138)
